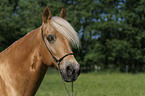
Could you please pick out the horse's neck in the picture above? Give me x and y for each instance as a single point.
(22, 46)
(22, 65)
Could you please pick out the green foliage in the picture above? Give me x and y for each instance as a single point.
(20, 17)
(119, 36)
(112, 32)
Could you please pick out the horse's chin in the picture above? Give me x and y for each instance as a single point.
(68, 79)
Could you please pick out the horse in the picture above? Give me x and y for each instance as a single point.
(24, 64)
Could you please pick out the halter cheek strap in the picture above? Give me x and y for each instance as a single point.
(57, 60)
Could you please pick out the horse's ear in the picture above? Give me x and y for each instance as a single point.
(63, 13)
(46, 15)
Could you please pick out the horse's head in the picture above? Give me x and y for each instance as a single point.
(58, 36)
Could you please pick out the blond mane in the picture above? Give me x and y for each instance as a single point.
(63, 27)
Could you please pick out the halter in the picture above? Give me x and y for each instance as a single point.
(58, 62)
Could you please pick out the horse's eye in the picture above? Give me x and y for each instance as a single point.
(50, 37)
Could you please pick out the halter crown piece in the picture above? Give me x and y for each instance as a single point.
(58, 62)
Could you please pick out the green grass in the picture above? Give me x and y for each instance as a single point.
(95, 84)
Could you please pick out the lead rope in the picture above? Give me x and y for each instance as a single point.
(58, 62)
(72, 88)
(63, 81)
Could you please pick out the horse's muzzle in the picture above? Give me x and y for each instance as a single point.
(70, 73)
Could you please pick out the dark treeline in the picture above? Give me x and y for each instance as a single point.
(112, 32)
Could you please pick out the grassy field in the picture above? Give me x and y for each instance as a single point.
(95, 84)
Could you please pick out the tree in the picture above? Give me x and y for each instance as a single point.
(19, 17)
(112, 32)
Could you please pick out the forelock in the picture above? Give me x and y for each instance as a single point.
(63, 27)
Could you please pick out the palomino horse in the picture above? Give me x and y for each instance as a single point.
(24, 64)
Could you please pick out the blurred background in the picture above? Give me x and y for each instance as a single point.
(112, 32)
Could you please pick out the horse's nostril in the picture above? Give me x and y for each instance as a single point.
(70, 71)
